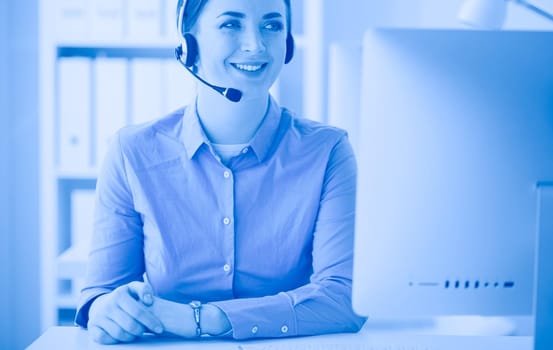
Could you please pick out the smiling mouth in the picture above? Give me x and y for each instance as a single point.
(249, 67)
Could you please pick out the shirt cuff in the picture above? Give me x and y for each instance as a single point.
(266, 317)
(86, 299)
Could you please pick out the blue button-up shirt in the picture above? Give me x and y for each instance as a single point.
(267, 236)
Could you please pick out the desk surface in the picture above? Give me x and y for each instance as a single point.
(73, 338)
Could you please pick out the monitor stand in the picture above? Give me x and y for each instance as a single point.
(543, 285)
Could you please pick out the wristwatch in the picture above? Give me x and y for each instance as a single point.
(196, 306)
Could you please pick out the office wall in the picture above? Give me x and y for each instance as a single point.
(345, 22)
(348, 20)
(435, 13)
(19, 238)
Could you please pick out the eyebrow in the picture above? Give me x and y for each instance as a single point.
(232, 14)
(272, 15)
(242, 15)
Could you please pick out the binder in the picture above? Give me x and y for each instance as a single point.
(107, 18)
(144, 20)
(71, 264)
(72, 21)
(179, 86)
(74, 113)
(111, 102)
(82, 217)
(146, 90)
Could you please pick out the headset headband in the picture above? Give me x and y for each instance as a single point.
(181, 17)
(289, 39)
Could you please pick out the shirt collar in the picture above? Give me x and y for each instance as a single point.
(264, 137)
(193, 135)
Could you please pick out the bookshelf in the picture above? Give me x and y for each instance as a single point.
(96, 66)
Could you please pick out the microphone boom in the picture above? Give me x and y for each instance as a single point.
(231, 94)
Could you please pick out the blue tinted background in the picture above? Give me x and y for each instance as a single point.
(19, 164)
(19, 116)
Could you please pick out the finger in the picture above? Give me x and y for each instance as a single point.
(127, 322)
(141, 291)
(100, 336)
(141, 314)
(116, 332)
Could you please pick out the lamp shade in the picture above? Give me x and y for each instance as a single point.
(483, 14)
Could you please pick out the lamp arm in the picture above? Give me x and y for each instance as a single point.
(534, 9)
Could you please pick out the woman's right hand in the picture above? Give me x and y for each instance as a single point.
(123, 315)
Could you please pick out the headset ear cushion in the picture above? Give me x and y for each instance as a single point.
(191, 50)
(289, 48)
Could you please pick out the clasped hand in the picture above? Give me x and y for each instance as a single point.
(123, 315)
(131, 310)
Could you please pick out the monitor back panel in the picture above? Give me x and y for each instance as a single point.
(456, 129)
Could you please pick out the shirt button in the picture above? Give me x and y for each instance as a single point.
(226, 174)
(254, 329)
(284, 329)
(226, 221)
(245, 150)
(226, 267)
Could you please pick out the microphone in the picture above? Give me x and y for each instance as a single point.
(231, 94)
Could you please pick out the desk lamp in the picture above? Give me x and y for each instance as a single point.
(490, 14)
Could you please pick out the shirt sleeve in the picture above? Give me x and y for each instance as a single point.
(324, 304)
(116, 255)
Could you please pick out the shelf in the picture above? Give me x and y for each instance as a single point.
(85, 174)
(109, 51)
(67, 301)
(72, 262)
(71, 265)
(127, 43)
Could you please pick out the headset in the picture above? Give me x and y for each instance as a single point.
(187, 54)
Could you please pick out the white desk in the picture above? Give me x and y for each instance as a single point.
(369, 338)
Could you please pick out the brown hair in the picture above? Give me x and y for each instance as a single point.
(193, 8)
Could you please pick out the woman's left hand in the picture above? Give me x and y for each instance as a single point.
(178, 319)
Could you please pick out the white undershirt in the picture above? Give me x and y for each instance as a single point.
(226, 152)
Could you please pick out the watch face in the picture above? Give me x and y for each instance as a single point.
(195, 304)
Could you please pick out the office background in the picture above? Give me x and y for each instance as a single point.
(19, 174)
(21, 272)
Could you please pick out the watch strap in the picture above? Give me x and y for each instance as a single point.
(196, 307)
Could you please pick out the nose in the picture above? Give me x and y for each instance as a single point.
(252, 41)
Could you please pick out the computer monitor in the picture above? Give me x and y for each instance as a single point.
(456, 131)
(543, 294)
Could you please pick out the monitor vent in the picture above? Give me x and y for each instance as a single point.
(465, 284)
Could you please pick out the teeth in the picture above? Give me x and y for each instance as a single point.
(249, 67)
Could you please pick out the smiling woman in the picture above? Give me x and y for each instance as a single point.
(246, 50)
(228, 217)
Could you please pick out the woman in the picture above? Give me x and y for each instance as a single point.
(225, 218)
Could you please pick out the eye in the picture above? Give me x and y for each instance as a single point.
(232, 24)
(274, 26)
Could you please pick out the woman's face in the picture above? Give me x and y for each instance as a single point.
(242, 44)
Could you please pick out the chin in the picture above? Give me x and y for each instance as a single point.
(252, 90)
(248, 95)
